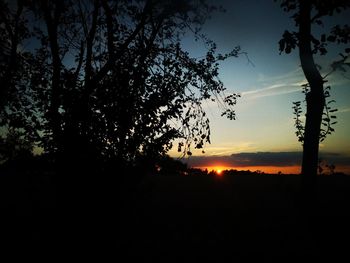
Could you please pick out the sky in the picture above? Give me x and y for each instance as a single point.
(263, 135)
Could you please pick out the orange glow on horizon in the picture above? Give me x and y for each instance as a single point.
(296, 169)
(265, 169)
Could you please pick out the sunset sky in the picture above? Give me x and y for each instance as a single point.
(263, 136)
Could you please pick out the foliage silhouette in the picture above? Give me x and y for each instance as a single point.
(318, 110)
(14, 147)
(104, 80)
(169, 166)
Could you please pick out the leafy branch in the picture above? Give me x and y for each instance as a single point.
(328, 117)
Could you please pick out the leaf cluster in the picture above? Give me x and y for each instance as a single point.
(328, 116)
(320, 9)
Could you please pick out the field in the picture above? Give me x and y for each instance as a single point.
(179, 218)
(239, 217)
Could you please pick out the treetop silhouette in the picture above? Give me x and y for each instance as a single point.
(109, 79)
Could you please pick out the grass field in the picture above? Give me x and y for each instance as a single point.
(236, 217)
(179, 218)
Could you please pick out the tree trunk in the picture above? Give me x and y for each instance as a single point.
(315, 99)
(52, 30)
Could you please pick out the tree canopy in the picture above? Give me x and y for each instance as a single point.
(108, 79)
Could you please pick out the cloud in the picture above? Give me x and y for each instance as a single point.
(277, 85)
(289, 82)
(272, 90)
(279, 159)
(292, 75)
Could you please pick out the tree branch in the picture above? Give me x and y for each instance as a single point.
(123, 47)
(109, 21)
(52, 25)
(80, 63)
(89, 44)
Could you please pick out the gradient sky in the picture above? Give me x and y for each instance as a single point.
(268, 88)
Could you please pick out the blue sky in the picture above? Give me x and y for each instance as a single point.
(268, 88)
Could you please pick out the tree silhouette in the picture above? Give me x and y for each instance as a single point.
(110, 80)
(306, 14)
(18, 112)
(11, 34)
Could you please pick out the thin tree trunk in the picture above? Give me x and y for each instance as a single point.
(52, 25)
(315, 99)
(8, 78)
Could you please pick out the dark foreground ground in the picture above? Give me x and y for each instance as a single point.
(177, 219)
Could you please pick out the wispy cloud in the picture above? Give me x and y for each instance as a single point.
(278, 89)
(292, 75)
(228, 149)
(289, 82)
(273, 90)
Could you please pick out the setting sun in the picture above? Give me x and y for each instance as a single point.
(218, 170)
